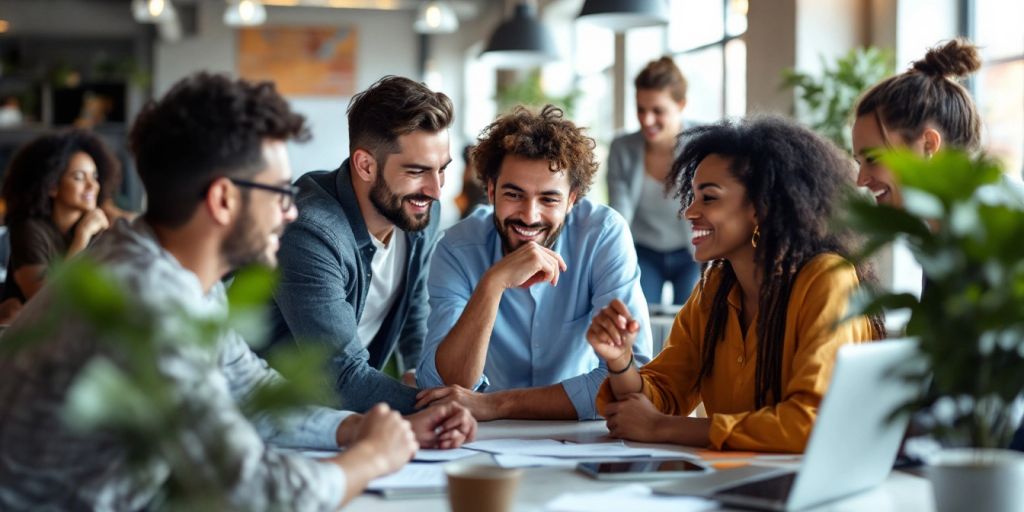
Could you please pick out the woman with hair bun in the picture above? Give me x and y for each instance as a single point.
(637, 166)
(923, 109)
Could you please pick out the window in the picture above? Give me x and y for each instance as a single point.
(998, 87)
(705, 38)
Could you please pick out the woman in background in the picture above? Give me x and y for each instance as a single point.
(757, 340)
(52, 190)
(638, 164)
(923, 109)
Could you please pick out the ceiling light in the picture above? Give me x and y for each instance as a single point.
(521, 41)
(153, 11)
(435, 17)
(620, 15)
(244, 13)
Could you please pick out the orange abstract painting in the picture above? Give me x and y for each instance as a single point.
(302, 61)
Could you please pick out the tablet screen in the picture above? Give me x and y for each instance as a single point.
(642, 466)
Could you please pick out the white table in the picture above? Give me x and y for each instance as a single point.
(901, 492)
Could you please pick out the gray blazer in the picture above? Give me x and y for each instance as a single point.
(626, 173)
(324, 263)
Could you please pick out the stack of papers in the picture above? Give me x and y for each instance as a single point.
(425, 455)
(519, 449)
(414, 479)
(630, 497)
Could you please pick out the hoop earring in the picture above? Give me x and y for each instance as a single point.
(756, 237)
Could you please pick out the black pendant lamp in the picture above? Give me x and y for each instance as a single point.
(620, 15)
(521, 41)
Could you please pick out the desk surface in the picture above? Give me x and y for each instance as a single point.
(900, 492)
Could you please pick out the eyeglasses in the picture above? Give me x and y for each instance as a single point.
(287, 193)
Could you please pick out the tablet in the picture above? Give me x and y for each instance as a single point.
(642, 469)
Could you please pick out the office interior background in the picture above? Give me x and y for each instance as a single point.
(99, 60)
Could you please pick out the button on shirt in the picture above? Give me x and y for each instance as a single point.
(539, 334)
(388, 268)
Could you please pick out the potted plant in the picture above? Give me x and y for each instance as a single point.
(825, 102)
(529, 92)
(122, 391)
(964, 223)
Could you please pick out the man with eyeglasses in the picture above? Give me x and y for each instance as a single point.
(213, 159)
(354, 264)
(287, 192)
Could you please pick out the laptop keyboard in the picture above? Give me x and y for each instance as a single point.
(776, 488)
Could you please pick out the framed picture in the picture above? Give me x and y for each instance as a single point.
(302, 61)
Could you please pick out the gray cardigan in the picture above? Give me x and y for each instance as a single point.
(626, 174)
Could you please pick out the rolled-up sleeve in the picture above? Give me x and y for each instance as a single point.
(449, 288)
(668, 380)
(616, 275)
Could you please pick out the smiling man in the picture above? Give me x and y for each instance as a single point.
(212, 155)
(513, 287)
(353, 265)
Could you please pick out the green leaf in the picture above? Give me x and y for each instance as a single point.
(102, 396)
(305, 382)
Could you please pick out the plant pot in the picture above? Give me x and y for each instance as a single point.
(978, 480)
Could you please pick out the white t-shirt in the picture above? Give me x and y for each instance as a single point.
(388, 267)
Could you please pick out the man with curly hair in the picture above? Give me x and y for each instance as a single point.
(513, 287)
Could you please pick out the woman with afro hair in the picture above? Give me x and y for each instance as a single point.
(757, 340)
(53, 190)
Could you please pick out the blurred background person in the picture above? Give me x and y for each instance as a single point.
(473, 193)
(637, 166)
(52, 190)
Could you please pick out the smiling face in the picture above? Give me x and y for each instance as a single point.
(411, 180)
(659, 114)
(722, 217)
(255, 237)
(867, 140)
(79, 186)
(530, 202)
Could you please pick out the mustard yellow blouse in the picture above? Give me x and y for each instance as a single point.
(820, 296)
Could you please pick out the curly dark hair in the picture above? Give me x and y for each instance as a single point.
(796, 181)
(394, 106)
(207, 126)
(928, 93)
(544, 136)
(38, 166)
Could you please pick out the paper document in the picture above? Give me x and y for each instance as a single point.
(552, 448)
(414, 475)
(630, 497)
(425, 455)
(508, 460)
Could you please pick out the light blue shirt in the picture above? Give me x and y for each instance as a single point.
(539, 335)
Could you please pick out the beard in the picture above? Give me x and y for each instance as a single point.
(247, 245)
(506, 239)
(389, 205)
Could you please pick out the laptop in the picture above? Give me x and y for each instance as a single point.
(853, 445)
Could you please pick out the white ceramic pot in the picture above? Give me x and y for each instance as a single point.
(977, 480)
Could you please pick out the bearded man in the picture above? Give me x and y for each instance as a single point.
(353, 265)
(513, 288)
